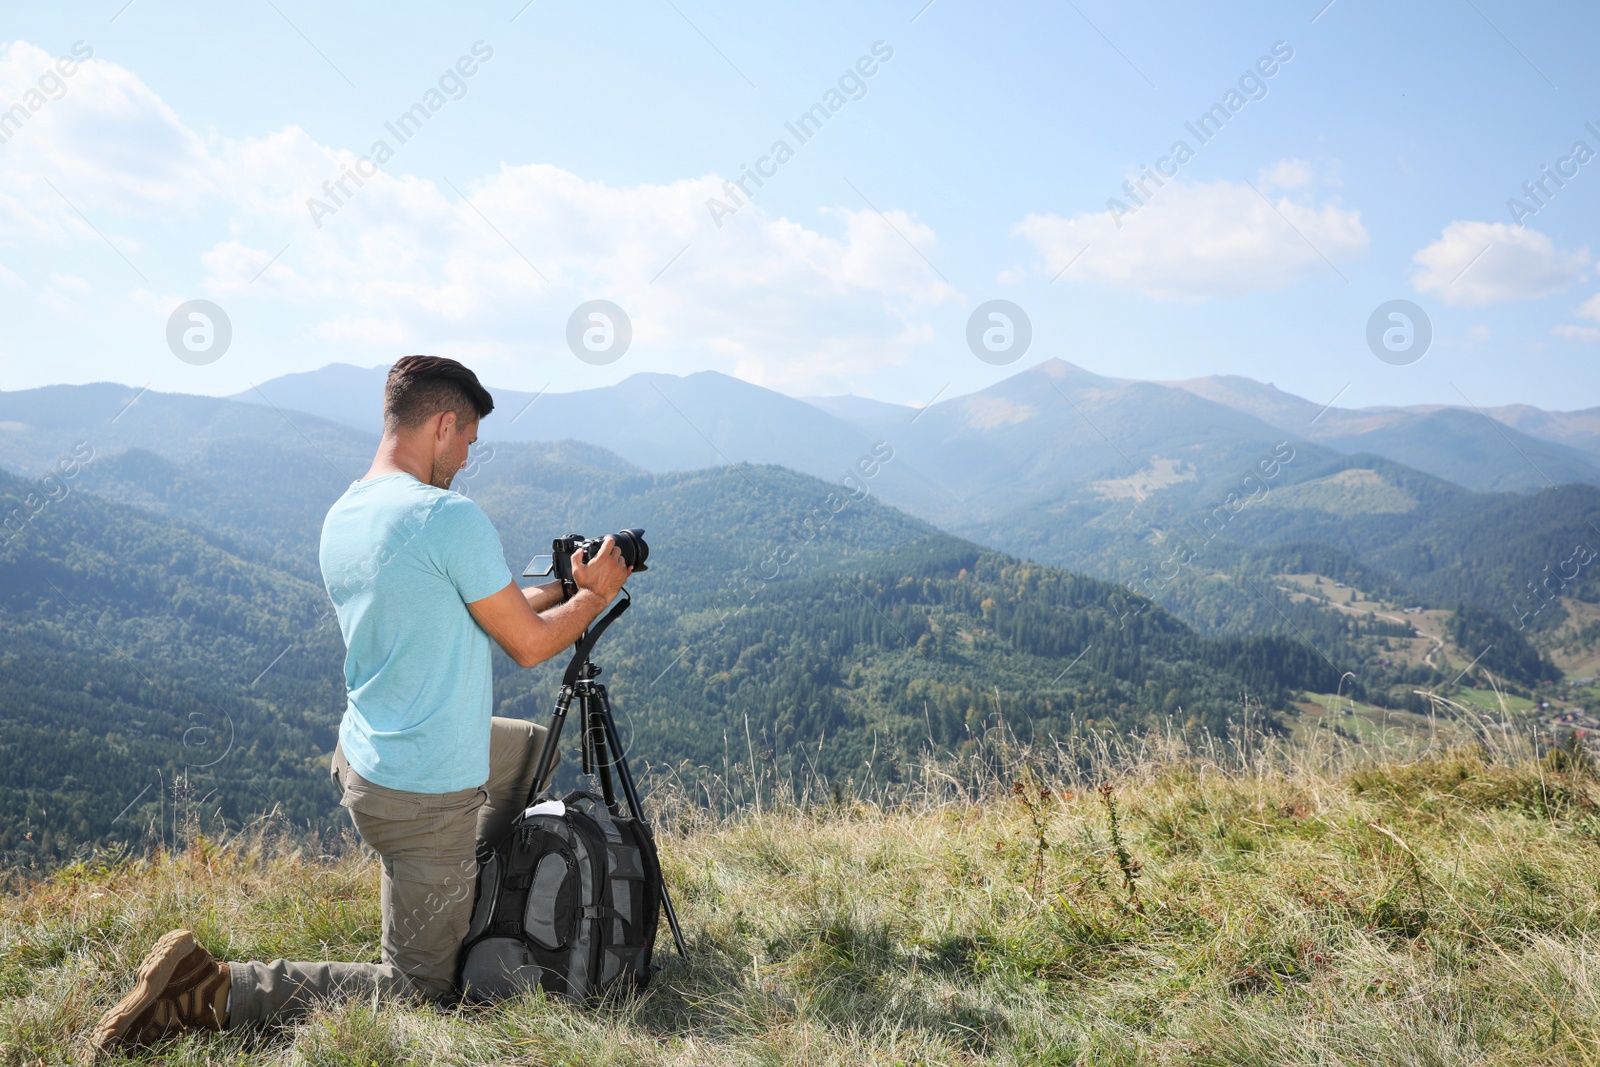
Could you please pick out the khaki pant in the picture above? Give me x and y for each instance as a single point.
(428, 843)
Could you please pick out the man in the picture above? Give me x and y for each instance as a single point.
(419, 581)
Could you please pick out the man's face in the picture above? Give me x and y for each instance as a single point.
(454, 442)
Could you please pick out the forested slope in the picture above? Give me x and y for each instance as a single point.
(840, 633)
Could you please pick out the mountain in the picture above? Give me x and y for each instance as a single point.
(258, 477)
(339, 392)
(1056, 433)
(1576, 429)
(1517, 447)
(658, 421)
(1077, 469)
(662, 422)
(1492, 550)
(1263, 400)
(863, 412)
(159, 587)
(1055, 464)
(148, 646)
(39, 425)
(1468, 449)
(1047, 463)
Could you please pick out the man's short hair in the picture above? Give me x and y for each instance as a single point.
(420, 387)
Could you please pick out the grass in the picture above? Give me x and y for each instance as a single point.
(1489, 700)
(1250, 906)
(1391, 730)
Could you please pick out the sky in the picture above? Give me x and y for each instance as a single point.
(1154, 191)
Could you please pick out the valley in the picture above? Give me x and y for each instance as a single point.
(1061, 557)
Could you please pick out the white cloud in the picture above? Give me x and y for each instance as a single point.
(1478, 333)
(1477, 263)
(769, 299)
(1286, 174)
(69, 282)
(1195, 241)
(1589, 309)
(403, 259)
(368, 331)
(102, 136)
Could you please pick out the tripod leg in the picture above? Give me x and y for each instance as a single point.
(672, 922)
(547, 755)
(636, 810)
(594, 728)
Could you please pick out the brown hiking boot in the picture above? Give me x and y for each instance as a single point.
(180, 987)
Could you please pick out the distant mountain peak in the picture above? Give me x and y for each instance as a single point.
(1062, 370)
(664, 421)
(698, 375)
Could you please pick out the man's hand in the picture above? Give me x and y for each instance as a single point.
(605, 574)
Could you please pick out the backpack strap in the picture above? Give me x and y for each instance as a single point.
(515, 885)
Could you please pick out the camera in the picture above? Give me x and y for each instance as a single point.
(558, 560)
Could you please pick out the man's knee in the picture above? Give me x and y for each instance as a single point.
(500, 724)
(515, 735)
(520, 738)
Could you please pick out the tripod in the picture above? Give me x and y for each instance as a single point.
(602, 746)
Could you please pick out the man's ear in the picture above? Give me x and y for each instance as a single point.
(446, 424)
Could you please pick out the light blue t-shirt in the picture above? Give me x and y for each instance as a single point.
(401, 561)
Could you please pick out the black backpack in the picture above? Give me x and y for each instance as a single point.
(568, 901)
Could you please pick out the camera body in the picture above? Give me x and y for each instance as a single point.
(559, 560)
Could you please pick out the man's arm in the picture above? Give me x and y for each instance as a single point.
(531, 637)
(542, 598)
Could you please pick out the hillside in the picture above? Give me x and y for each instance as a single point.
(663, 422)
(842, 638)
(1387, 528)
(1481, 455)
(1152, 909)
(659, 422)
(187, 606)
(257, 477)
(1454, 442)
(1054, 464)
(1450, 547)
(1094, 473)
(139, 650)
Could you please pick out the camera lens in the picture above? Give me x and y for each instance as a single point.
(634, 549)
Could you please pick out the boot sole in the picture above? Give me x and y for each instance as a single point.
(154, 974)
